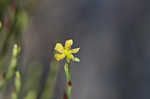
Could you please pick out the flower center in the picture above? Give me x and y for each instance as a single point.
(67, 52)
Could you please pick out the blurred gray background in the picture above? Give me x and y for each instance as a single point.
(114, 37)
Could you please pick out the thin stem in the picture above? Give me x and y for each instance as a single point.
(68, 79)
(12, 67)
(15, 94)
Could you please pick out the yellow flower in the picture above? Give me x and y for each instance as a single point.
(65, 51)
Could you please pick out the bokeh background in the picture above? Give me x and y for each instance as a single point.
(114, 37)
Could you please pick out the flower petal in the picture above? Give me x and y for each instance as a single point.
(59, 47)
(59, 57)
(70, 56)
(68, 43)
(76, 50)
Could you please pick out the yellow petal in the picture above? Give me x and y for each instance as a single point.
(76, 50)
(70, 56)
(59, 47)
(68, 43)
(59, 57)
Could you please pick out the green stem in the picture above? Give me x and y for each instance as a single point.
(68, 79)
(15, 94)
(12, 67)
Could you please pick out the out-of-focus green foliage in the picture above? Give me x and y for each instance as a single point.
(31, 95)
(3, 5)
(13, 20)
(51, 81)
(12, 66)
(6, 77)
(32, 81)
